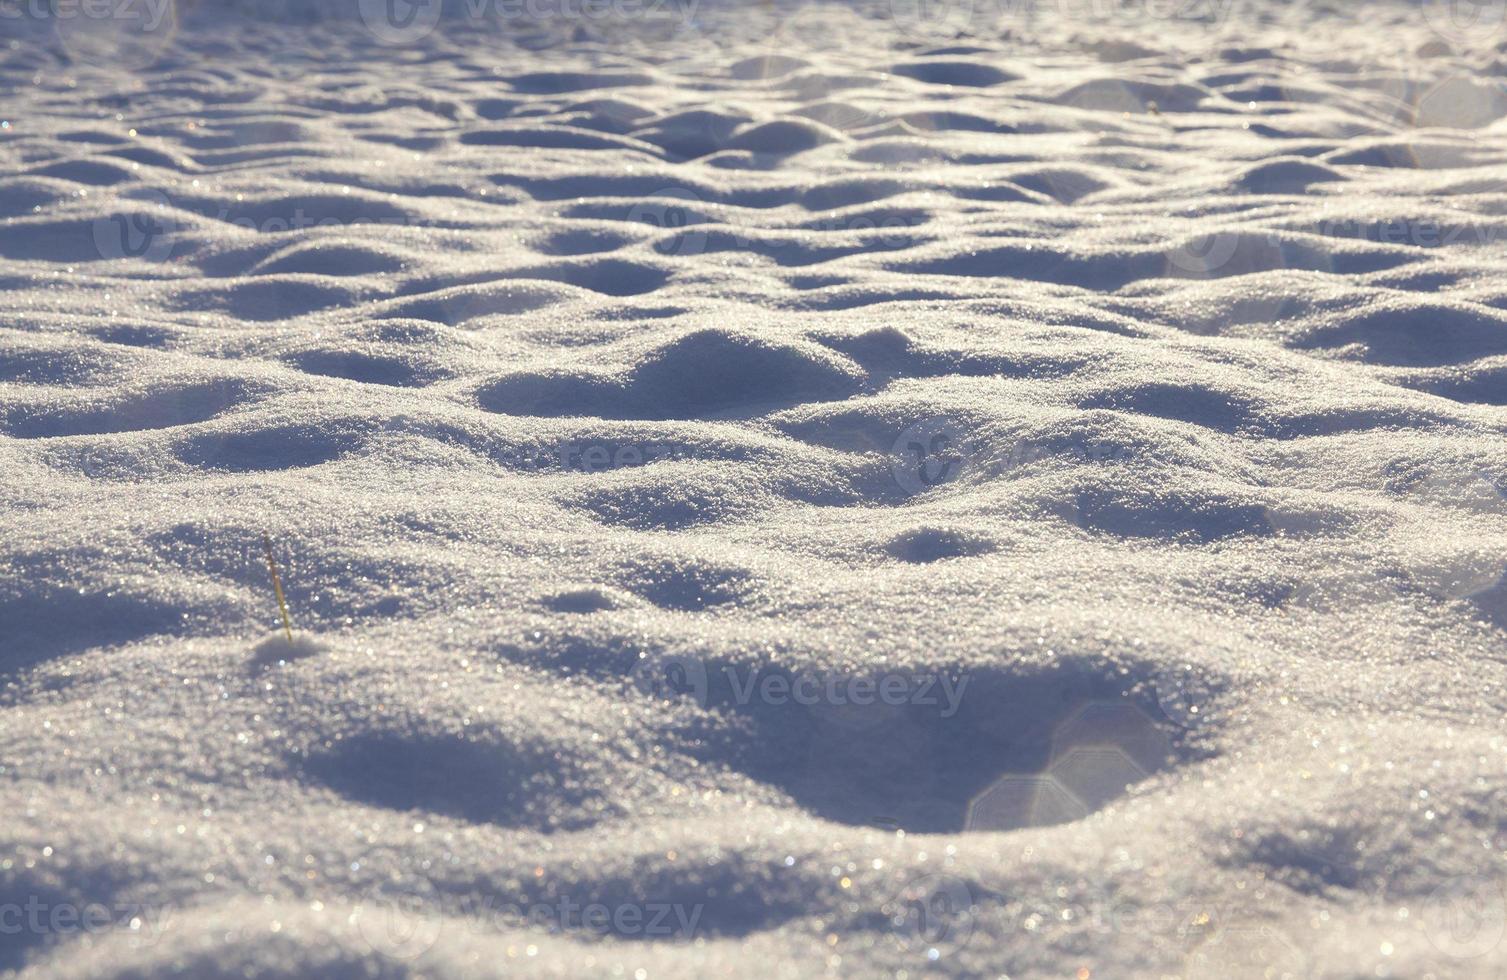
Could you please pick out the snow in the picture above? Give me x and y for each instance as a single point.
(872, 489)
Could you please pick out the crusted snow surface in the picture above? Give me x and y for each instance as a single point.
(988, 489)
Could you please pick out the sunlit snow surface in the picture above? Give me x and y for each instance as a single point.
(762, 490)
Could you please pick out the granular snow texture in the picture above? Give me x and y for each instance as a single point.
(989, 489)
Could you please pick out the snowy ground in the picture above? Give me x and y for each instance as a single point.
(761, 490)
